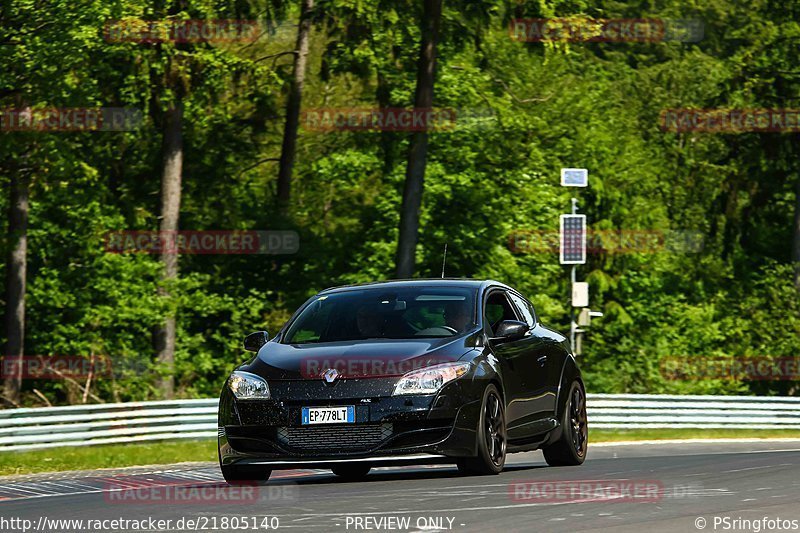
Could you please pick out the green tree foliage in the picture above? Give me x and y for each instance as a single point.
(524, 110)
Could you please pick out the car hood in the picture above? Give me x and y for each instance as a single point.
(356, 359)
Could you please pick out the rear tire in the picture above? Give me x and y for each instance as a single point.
(239, 475)
(570, 449)
(491, 437)
(351, 472)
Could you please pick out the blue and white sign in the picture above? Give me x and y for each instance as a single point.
(574, 177)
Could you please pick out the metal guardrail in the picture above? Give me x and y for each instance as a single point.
(644, 411)
(86, 425)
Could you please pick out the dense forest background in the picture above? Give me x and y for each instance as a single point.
(213, 153)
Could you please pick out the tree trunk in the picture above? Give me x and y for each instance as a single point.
(418, 153)
(293, 103)
(15, 284)
(796, 247)
(388, 138)
(164, 338)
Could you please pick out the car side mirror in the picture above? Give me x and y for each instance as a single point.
(510, 330)
(254, 341)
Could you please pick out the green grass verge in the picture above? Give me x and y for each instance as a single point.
(121, 455)
(616, 435)
(107, 456)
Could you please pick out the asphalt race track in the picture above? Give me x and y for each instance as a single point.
(622, 487)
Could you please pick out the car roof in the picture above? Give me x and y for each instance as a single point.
(421, 282)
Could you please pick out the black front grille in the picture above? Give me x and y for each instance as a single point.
(334, 437)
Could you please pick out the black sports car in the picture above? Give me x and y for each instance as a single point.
(404, 371)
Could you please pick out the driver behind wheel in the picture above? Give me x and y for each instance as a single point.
(370, 322)
(456, 316)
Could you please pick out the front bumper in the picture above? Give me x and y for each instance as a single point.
(387, 429)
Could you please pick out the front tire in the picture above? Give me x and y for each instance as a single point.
(351, 472)
(491, 437)
(238, 475)
(570, 449)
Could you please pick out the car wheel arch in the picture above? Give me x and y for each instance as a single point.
(569, 373)
(488, 373)
(499, 386)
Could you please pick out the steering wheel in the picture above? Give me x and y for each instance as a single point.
(437, 331)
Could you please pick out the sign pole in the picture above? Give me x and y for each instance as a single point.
(572, 279)
(572, 251)
(573, 240)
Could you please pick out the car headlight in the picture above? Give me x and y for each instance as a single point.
(247, 386)
(429, 380)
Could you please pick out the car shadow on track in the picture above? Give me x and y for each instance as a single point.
(408, 474)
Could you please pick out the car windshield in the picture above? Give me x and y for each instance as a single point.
(375, 313)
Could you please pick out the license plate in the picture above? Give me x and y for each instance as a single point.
(329, 415)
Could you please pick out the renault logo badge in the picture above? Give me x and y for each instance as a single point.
(330, 375)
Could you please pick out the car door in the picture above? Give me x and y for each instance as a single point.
(542, 364)
(497, 308)
(525, 403)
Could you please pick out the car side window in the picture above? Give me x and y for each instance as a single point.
(498, 309)
(524, 308)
